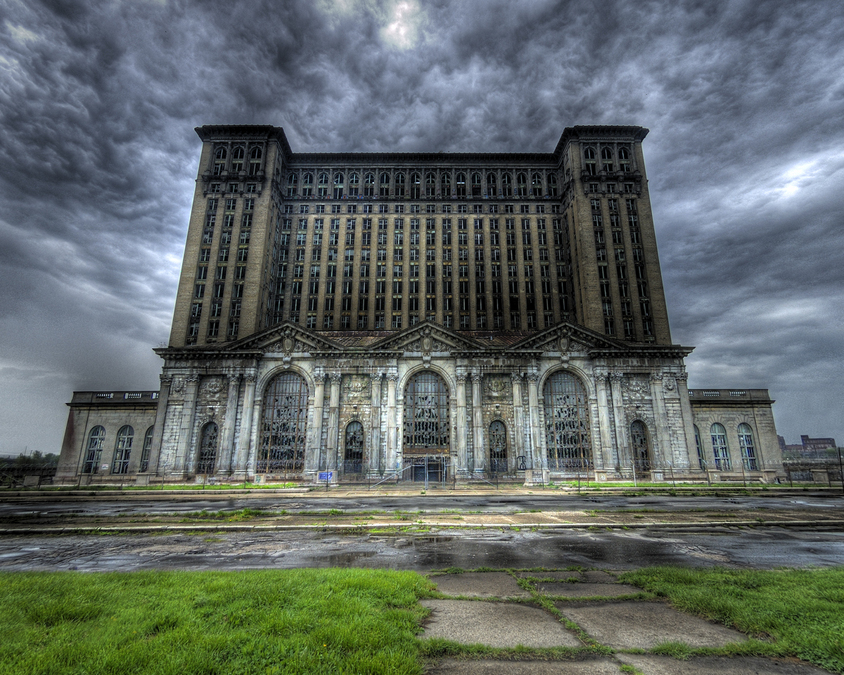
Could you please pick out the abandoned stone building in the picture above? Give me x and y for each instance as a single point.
(421, 315)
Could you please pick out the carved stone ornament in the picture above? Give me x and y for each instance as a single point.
(669, 383)
(637, 388)
(212, 387)
(356, 387)
(564, 344)
(427, 341)
(497, 386)
(178, 385)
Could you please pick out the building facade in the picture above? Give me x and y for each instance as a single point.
(448, 314)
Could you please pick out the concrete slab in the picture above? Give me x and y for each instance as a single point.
(480, 585)
(560, 574)
(497, 624)
(720, 665)
(628, 625)
(586, 590)
(599, 577)
(591, 667)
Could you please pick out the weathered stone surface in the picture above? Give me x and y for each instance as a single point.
(717, 665)
(644, 625)
(591, 667)
(496, 624)
(587, 590)
(480, 585)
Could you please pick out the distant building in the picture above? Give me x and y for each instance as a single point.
(808, 448)
(448, 315)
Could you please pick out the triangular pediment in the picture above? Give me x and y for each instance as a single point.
(287, 337)
(567, 337)
(427, 337)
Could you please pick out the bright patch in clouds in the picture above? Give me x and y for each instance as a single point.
(404, 25)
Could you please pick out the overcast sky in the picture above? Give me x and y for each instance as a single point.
(98, 102)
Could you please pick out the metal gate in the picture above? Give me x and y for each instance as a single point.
(283, 425)
(566, 423)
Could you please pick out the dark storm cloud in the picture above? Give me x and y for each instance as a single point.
(98, 102)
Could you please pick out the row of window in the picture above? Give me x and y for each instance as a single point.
(592, 165)
(237, 161)
(417, 208)
(417, 185)
(122, 451)
(721, 449)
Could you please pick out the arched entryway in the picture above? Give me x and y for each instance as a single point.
(640, 446)
(353, 459)
(427, 429)
(283, 425)
(207, 459)
(566, 423)
(498, 447)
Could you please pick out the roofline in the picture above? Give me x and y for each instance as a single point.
(212, 132)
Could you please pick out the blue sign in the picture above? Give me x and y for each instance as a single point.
(325, 475)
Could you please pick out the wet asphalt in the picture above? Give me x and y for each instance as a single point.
(757, 547)
(762, 548)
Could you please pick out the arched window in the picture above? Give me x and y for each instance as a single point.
(640, 446)
(144, 465)
(292, 181)
(460, 181)
(552, 185)
(219, 161)
(506, 185)
(399, 181)
(354, 184)
(122, 450)
(606, 160)
(521, 185)
(307, 185)
(369, 185)
(338, 186)
(207, 450)
(426, 418)
(94, 451)
(237, 159)
(719, 447)
(476, 185)
(566, 423)
(748, 450)
(490, 184)
(430, 185)
(700, 460)
(322, 185)
(255, 156)
(624, 159)
(589, 161)
(415, 186)
(354, 448)
(498, 447)
(338, 178)
(283, 425)
(536, 185)
(384, 189)
(445, 182)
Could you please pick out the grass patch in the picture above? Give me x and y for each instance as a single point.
(268, 621)
(789, 612)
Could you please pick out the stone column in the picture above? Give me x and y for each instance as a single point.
(333, 423)
(478, 423)
(376, 459)
(622, 445)
(662, 432)
(158, 429)
(688, 422)
(519, 422)
(245, 436)
(462, 430)
(608, 454)
(313, 454)
(392, 460)
(540, 458)
(183, 448)
(224, 466)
